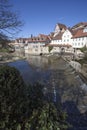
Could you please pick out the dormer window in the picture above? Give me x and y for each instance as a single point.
(85, 29)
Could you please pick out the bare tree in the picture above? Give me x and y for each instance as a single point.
(9, 20)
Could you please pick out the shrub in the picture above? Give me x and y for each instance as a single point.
(47, 118)
(50, 48)
(26, 109)
(83, 49)
(12, 97)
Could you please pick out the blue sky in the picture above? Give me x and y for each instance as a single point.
(41, 16)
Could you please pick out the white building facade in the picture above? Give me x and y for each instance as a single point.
(62, 39)
(67, 38)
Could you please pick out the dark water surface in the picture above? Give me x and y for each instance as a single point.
(62, 84)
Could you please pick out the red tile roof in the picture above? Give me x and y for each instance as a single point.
(61, 26)
(58, 36)
(79, 34)
(80, 25)
(76, 31)
(39, 38)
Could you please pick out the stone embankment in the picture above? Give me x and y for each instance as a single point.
(82, 70)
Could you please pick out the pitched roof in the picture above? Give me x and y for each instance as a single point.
(39, 38)
(33, 39)
(80, 25)
(61, 26)
(58, 36)
(79, 34)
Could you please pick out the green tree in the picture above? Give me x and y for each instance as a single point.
(12, 98)
(35, 95)
(24, 108)
(83, 49)
(47, 118)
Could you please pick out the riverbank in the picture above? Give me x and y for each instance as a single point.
(9, 57)
(80, 69)
(84, 78)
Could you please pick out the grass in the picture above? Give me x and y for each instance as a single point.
(83, 49)
(83, 61)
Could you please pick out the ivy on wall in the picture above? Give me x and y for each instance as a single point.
(50, 48)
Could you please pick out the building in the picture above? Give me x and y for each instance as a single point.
(67, 38)
(63, 39)
(37, 45)
(79, 38)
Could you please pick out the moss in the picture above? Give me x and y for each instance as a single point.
(50, 48)
(82, 61)
(4, 50)
(83, 49)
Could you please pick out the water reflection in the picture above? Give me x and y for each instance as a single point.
(62, 83)
(58, 77)
(43, 62)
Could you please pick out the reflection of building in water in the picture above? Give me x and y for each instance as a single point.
(37, 61)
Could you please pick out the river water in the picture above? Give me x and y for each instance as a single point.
(62, 84)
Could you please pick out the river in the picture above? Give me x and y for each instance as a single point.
(62, 84)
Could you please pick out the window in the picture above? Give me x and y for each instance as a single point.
(36, 46)
(78, 44)
(36, 49)
(85, 30)
(75, 44)
(82, 43)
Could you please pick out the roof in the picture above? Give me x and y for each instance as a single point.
(79, 34)
(61, 26)
(76, 31)
(39, 38)
(80, 25)
(58, 36)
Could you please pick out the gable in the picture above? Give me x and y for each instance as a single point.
(66, 34)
